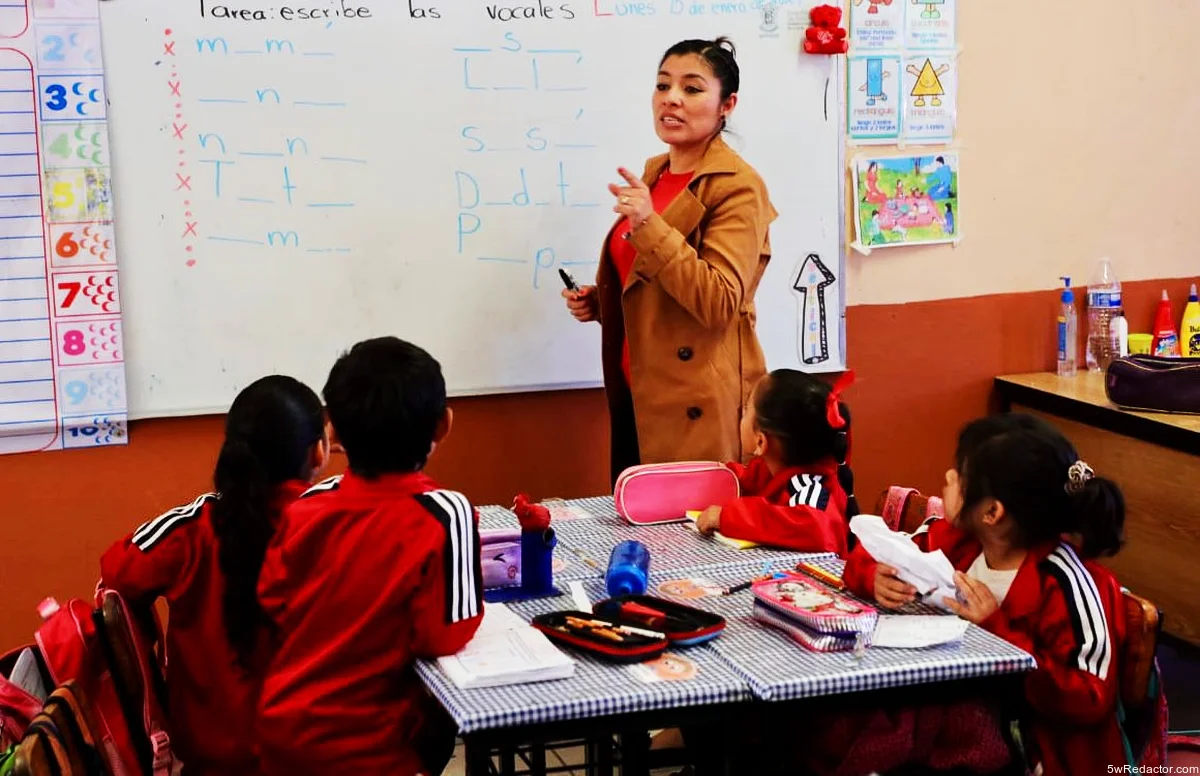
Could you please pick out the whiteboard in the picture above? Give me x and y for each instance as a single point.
(292, 178)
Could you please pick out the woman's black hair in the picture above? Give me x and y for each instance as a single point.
(269, 434)
(792, 407)
(1035, 473)
(721, 56)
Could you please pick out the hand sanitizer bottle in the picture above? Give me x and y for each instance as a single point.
(1068, 332)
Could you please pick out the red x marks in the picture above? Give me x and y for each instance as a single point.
(184, 182)
(178, 129)
(174, 88)
(169, 49)
(189, 228)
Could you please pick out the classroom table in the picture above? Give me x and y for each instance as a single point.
(1153, 457)
(777, 669)
(734, 674)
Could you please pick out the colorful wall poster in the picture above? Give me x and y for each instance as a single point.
(876, 24)
(930, 97)
(62, 374)
(930, 24)
(906, 200)
(874, 102)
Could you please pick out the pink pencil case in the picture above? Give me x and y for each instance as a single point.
(665, 492)
(814, 615)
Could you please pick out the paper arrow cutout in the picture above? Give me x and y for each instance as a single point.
(812, 280)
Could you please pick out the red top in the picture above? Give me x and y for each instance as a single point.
(666, 188)
(1068, 613)
(801, 508)
(212, 700)
(363, 577)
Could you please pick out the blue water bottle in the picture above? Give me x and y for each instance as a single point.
(628, 569)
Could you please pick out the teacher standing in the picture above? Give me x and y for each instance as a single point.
(674, 293)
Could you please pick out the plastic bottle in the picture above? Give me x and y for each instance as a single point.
(628, 569)
(1189, 328)
(1068, 333)
(1104, 304)
(1166, 339)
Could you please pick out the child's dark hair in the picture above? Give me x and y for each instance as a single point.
(720, 55)
(1035, 472)
(792, 407)
(385, 398)
(270, 431)
(982, 429)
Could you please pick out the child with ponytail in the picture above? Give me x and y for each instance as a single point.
(204, 558)
(798, 490)
(1025, 517)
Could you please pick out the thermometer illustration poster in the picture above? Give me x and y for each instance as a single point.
(62, 374)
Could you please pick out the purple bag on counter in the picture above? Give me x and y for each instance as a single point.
(1154, 384)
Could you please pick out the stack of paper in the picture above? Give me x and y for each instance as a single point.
(506, 650)
(929, 572)
(737, 544)
(917, 631)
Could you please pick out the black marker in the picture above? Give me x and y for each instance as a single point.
(567, 280)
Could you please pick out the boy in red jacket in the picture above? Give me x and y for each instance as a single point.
(369, 572)
(798, 490)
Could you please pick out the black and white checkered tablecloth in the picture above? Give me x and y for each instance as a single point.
(597, 689)
(777, 668)
(748, 660)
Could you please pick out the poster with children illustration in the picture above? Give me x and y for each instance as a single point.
(876, 24)
(906, 200)
(874, 101)
(930, 97)
(929, 24)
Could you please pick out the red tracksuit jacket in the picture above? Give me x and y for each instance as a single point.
(212, 700)
(1067, 613)
(364, 577)
(801, 508)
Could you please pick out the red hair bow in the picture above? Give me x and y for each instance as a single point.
(833, 412)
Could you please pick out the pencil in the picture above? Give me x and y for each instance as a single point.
(579, 554)
(823, 575)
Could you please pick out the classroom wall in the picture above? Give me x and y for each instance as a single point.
(1075, 122)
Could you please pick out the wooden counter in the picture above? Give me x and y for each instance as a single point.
(1154, 458)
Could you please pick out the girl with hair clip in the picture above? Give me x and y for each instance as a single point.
(798, 490)
(204, 558)
(1016, 491)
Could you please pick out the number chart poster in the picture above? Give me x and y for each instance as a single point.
(62, 374)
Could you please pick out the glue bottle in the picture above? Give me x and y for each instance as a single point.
(1068, 332)
(1189, 329)
(628, 569)
(1166, 339)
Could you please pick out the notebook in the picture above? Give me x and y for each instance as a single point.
(505, 650)
(737, 544)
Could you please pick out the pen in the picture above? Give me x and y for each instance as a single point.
(823, 575)
(568, 281)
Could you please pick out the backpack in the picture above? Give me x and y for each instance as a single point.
(76, 647)
(17, 706)
(894, 505)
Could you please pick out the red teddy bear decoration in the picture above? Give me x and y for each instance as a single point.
(824, 36)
